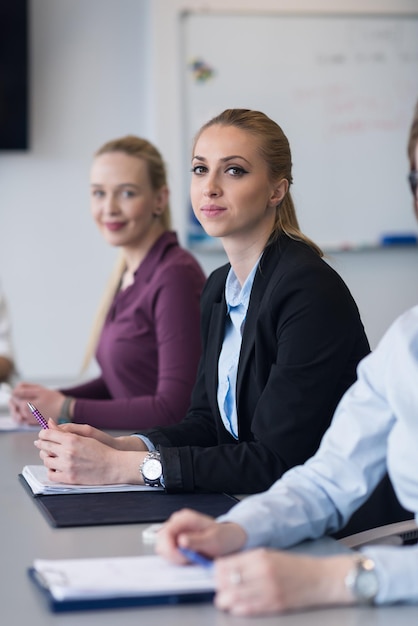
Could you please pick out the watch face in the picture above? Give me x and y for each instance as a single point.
(367, 584)
(362, 581)
(152, 469)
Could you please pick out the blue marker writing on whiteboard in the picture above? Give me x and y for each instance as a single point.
(399, 239)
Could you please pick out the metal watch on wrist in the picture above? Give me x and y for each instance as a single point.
(362, 581)
(151, 469)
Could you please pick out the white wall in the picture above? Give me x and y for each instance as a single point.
(89, 83)
(100, 69)
(384, 282)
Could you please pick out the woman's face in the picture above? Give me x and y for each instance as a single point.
(123, 203)
(231, 194)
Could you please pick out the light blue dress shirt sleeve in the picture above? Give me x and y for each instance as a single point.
(147, 441)
(374, 428)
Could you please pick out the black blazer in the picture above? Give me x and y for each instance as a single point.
(302, 341)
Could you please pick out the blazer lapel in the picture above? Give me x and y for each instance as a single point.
(213, 350)
(268, 265)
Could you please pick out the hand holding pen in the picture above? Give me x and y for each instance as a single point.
(195, 557)
(38, 416)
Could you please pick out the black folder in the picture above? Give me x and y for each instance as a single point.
(126, 507)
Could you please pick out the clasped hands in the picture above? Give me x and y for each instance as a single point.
(79, 454)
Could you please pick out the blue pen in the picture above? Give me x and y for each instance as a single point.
(195, 557)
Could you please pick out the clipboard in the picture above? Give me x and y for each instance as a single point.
(130, 507)
(120, 599)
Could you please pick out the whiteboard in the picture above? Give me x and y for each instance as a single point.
(342, 87)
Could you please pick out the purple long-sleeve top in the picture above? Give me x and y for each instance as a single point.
(149, 347)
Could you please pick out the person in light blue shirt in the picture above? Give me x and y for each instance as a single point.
(374, 430)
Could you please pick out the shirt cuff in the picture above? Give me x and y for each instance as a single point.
(397, 572)
(148, 442)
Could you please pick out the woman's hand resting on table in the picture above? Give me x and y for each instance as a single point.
(48, 401)
(83, 455)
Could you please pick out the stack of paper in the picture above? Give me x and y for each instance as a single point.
(116, 576)
(8, 424)
(91, 583)
(37, 478)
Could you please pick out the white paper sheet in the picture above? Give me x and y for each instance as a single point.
(121, 576)
(37, 478)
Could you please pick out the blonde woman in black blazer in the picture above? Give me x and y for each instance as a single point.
(302, 336)
(301, 344)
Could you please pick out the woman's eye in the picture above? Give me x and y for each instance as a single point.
(199, 169)
(236, 171)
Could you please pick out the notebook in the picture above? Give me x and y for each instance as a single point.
(37, 478)
(75, 584)
(80, 584)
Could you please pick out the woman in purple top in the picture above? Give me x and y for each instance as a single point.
(147, 331)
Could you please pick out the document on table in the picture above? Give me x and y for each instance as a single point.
(74, 583)
(37, 478)
(8, 424)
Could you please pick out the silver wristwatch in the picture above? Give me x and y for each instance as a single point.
(362, 581)
(151, 469)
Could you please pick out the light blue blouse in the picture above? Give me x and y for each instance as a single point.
(374, 429)
(237, 301)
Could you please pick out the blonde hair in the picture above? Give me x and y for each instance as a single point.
(413, 140)
(141, 149)
(275, 150)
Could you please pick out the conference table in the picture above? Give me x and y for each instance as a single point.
(26, 535)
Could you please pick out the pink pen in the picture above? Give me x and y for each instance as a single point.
(38, 416)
